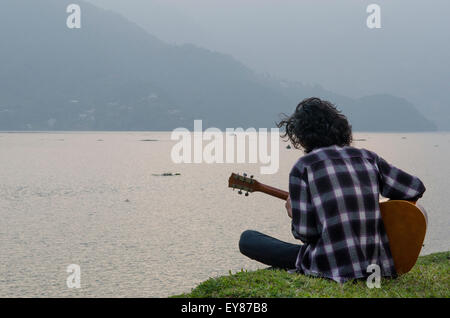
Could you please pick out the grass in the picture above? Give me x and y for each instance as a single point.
(430, 277)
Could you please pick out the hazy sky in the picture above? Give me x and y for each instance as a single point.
(325, 42)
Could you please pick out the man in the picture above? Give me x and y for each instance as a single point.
(333, 201)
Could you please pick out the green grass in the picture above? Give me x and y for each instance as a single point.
(430, 277)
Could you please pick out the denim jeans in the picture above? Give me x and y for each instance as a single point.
(268, 250)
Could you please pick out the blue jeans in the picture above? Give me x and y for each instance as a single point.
(268, 250)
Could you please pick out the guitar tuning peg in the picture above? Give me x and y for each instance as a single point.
(246, 194)
(251, 177)
(244, 174)
(240, 192)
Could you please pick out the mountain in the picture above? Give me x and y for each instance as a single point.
(376, 113)
(113, 75)
(325, 42)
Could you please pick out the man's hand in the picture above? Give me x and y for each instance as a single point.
(288, 207)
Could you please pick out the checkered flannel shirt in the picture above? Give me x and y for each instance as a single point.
(335, 211)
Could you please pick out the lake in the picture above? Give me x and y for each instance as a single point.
(92, 199)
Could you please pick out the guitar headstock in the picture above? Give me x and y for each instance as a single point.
(243, 183)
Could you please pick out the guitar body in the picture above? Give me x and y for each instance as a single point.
(405, 224)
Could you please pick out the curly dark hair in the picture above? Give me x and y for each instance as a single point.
(316, 123)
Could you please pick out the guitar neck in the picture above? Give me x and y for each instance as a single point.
(283, 195)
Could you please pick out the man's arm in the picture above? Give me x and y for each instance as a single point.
(304, 223)
(396, 184)
(288, 206)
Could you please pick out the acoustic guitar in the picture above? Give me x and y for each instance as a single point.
(405, 222)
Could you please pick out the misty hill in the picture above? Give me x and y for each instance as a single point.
(375, 113)
(325, 42)
(113, 75)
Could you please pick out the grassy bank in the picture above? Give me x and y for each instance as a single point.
(430, 277)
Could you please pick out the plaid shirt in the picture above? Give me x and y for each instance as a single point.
(335, 211)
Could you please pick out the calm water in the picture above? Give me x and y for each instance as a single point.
(91, 199)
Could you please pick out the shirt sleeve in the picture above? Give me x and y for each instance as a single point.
(396, 184)
(304, 222)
